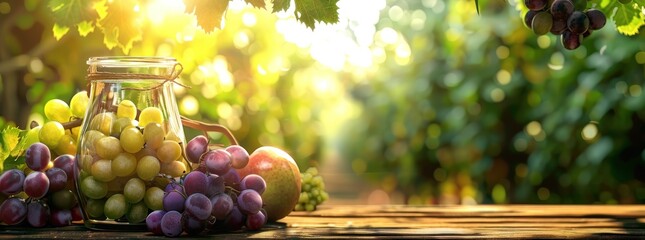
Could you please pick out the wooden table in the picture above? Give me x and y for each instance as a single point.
(396, 221)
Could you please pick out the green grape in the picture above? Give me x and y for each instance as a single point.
(57, 110)
(66, 145)
(148, 168)
(310, 207)
(132, 140)
(145, 151)
(304, 197)
(137, 213)
(31, 136)
(63, 199)
(153, 135)
(108, 147)
(300, 207)
(174, 168)
(134, 190)
(121, 124)
(312, 191)
(103, 122)
(93, 189)
(542, 23)
(94, 208)
(124, 164)
(126, 109)
(51, 133)
(154, 198)
(90, 138)
(168, 151)
(86, 163)
(78, 104)
(115, 206)
(102, 170)
(150, 115)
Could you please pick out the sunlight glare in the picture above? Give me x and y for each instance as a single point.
(157, 10)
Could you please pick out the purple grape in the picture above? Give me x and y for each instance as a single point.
(528, 17)
(195, 182)
(192, 225)
(11, 182)
(253, 182)
(171, 225)
(57, 179)
(199, 206)
(173, 201)
(232, 179)
(174, 186)
(153, 221)
(13, 211)
(215, 185)
(578, 22)
(561, 9)
(266, 216)
(239, 156)
(571, 40)
(36, 184)
(37, 156)
(196, 147)
(222, 206)
(255, 221)
(37, 214)
(235, 220)
(559, 25)
(61, 217)
(535, 5)
(66, 162)
(597, 19)
(77, 214)
(249, 201)
(217, 161)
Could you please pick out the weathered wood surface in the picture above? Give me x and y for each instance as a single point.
(395, 221)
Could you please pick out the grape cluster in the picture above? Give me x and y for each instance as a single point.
(569, 18)
(312, 192)
(212, 197)
(41, 194)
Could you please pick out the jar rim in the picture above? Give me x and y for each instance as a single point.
(125, 61)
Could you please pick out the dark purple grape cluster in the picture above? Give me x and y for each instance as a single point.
(213, 197)
(569, 18)
(40, 195)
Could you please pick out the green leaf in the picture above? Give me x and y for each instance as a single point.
(68, 13)
(84, 28)
(209, 13)
(59, 31)
(256, 3)
(281, 5)
(310, 11)
(628, 17)
(9, 139)
(121, 25)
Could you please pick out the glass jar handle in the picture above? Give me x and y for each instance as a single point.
(209, 127)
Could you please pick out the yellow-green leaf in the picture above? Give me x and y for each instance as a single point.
(256, 3)
(281, 5)
(84, 28)
(59, 31)
(122, 25)
(8, 141)
(310, 11)
(68, 13)
(209, 13)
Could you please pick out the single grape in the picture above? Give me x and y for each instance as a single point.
(217, 161)
(36, 184)
(77, 213)
(63, 199)
(192, 225)
(173, 168)
(78, 104)
(528, 17)
(174, 186)
(13, 211)
(562, 8)
(235, 220)
(571, 40)
(126, 109)
(222, 206)
(66, 145)
(57, 110)
(215, 185)
(115, 206)
(253, 182)
(124, 164)
(559, 25)
(542, 23)
(12, 182)
(37, 214)
(168, 151)
(37, 157)
(31, 136)
(154, 198)
(153, 135)
(121, 124)
(102, 122)
(266, 217)
(578, 22)
(90, 137)
(102, 170)
(198, 206)
(171, 225)
(134, 190)
(535, 5)
(57, 179)
(131, 140)
(239, 156)
(150, 115)
(174, 201)
(196, 147)
(153, 221)
(93, 188)
(50, 134)
(195, 182)
(61, 217)
(597, 19)
(94, 208)
(255, 221)
(249, 201)
(148, 168)
(108, 147)
(137, 213)
(232, 179)
(66, 163)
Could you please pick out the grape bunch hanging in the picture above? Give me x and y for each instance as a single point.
(569, 18)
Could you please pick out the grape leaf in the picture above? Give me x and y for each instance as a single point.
(281, 5)
(9, 139)
(310, 11)
(121, 25)
(68, 13)
(59, 31)
(628, 17)
(256, 3)
(209, 13)
(84, 28)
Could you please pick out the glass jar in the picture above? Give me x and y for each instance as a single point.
(131, 140)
